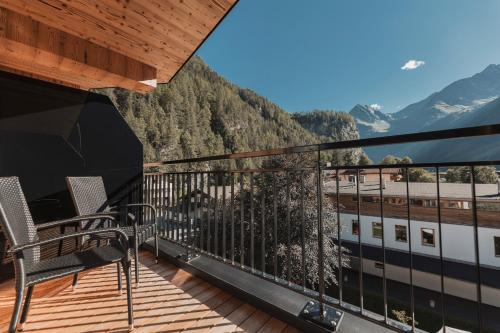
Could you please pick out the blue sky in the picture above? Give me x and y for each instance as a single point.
(333, 54)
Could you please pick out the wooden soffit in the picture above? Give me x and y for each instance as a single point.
(133, 44)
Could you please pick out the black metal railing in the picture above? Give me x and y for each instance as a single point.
(283, 220)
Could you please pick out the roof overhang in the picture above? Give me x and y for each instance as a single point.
(133, 44)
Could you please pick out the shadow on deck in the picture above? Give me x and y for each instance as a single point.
(168, 299)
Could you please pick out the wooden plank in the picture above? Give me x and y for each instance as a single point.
(195, 312)
(272, 325)
(33, 47)
(162, 34)
(214, 317)
(253, 323)
(161, 316)
(231, 322)
(290, 329)
(168, 299)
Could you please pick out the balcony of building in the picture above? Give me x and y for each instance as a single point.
(282, 240)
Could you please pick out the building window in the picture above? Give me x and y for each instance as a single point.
(370, 199)
(490, 206)
(497, 246)
(355, 227)
(377, 229)
(459, 204)
(428, 237)
(430, 203)
(355, 198)
(395, 201)
(417, 202)
(401, 235)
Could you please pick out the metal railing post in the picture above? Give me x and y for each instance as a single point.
(408, 213)
(188, 218)
(319, 194)
(360, 245)
(288, 230)
(321, 313)
(476, 249)
(339, 234)
(384, 277)
(302, 230)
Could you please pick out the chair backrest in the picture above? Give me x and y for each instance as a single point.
(16, 219)
(89, 197)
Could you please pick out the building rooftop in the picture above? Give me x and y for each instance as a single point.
(419, 190)
(371, 171)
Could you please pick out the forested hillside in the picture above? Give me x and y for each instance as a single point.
(200, 113)
(329, 125)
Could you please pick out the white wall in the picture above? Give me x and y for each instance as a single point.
(455, 287)
(487, 246)
(458, 240)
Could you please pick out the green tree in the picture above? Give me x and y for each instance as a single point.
(405, 160)
(364, 160)
(419, 175)
(482, 175)
(389, 159)
(284, 188)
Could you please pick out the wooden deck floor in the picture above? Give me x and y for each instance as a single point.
(167, 300)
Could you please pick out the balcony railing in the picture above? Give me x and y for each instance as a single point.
(355, 237)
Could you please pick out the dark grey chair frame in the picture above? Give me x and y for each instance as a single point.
(89, 197)
(21, 232)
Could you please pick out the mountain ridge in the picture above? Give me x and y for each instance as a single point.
(467, 102)
(370, 120)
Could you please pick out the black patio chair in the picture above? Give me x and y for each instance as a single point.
(30, 269)
(89, 197)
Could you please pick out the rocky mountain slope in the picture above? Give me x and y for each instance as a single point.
(467, 102)
(370, 120)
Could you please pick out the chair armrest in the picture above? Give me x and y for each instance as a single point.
(117, 231)
(137, 205)
(79, 218)
(130, 216)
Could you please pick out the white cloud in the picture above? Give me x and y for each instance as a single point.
(376, 106)
(412, 64)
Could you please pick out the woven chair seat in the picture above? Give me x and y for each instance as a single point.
(144, 232)
(74, 263)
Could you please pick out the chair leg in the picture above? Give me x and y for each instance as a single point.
(136, 254)
(75, 282)
(127, 271)
(119, 277)
(75, 277)
(16, 311)
(156, 246)
(26, 308)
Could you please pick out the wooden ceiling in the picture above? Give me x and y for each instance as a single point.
(133, 44)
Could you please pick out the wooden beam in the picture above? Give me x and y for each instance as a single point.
(161, 33)
(31, 47)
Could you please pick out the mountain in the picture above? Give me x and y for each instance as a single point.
(467, 149)
(332, 126)
(200, 113)
(329, 125)
(451, 103)
(370, 120)
(467, 102)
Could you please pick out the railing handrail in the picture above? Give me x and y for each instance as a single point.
(456, 133)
